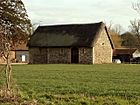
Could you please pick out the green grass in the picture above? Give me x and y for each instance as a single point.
(79, 83)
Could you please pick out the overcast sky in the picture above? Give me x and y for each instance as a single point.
(81, 11)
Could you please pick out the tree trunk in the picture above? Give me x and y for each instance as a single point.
(8, 70)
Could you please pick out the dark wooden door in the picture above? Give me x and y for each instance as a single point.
(74, 55)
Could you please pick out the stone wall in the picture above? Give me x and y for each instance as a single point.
(37, 55)
(85, 55)
(59, 55)
(102, 51)
(49, 55)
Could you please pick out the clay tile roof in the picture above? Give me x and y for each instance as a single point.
(65, 35)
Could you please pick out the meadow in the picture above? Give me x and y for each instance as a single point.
(62, 84)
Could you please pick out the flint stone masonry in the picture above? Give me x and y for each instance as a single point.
(50, 55)
(102, 49)
(59, 55)
(85, 55)
(73, 43)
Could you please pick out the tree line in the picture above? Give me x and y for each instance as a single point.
(131, 38)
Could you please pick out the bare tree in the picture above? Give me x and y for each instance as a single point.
(136, 7)
(14, 28)
(114, 28)
(135, 29)
(135, 25)
(109, 26)
(117, 28)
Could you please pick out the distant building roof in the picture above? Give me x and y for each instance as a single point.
(124, 51)
(22, 46)
(66, 35)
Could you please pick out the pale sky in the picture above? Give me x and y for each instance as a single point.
(46, 12)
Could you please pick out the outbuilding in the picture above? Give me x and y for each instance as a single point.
(71, 43)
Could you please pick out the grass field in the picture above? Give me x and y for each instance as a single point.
(79, 84)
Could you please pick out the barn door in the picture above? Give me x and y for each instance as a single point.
(74, 55)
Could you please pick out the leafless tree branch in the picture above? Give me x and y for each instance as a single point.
(136, 7)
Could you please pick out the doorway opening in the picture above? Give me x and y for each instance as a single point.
(74, 55)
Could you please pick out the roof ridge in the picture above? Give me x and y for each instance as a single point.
(70, 24)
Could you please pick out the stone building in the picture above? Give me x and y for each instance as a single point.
(71, 43)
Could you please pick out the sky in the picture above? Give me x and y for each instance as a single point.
(50, 12)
